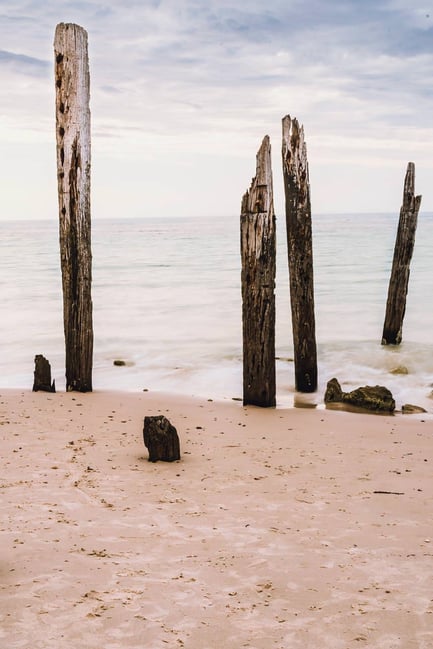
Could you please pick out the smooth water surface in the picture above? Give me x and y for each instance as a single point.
(167, 300)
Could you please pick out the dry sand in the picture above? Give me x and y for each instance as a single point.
(272, 531)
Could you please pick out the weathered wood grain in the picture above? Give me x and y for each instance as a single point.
(73, 174)
(258, 249)
(403, 250)
(300, 254)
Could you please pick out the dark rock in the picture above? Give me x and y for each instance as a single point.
(373, 398)
(161, 439)
(42, 375)
(400, 369)
(119, 363)
(377, 398)
(410, 409)
(333, 393)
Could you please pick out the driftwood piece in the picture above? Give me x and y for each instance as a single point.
(300, 254)
(161, 439)
(258, 284)
(375, 398)
(404, 245)
(42, 375)
(73, 174)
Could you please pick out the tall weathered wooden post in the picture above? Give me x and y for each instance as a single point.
(403, 250)
(258, 284)
(73, 174)
(300, 253)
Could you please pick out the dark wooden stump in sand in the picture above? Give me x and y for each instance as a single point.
(161, 439)
(42, 375)
(375, 398)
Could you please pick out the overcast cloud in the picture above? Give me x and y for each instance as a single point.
(183, 92)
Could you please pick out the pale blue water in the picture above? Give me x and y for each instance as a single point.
(166, 296)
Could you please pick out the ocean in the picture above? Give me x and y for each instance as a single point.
(167, 301)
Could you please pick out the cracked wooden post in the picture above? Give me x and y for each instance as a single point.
(300, 254)
(258, 284)
(73, 174)
(404, 244)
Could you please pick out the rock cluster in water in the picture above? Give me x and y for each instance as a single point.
(374, 398)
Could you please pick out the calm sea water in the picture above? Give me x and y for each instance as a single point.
(166, 296)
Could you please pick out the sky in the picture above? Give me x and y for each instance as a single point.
(183, 92)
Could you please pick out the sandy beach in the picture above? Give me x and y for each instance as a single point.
(285, 528)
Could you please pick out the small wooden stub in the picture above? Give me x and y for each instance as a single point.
(42, 375)
(161, 439)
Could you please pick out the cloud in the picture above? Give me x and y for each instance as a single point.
(24, 64)
(174, 78)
